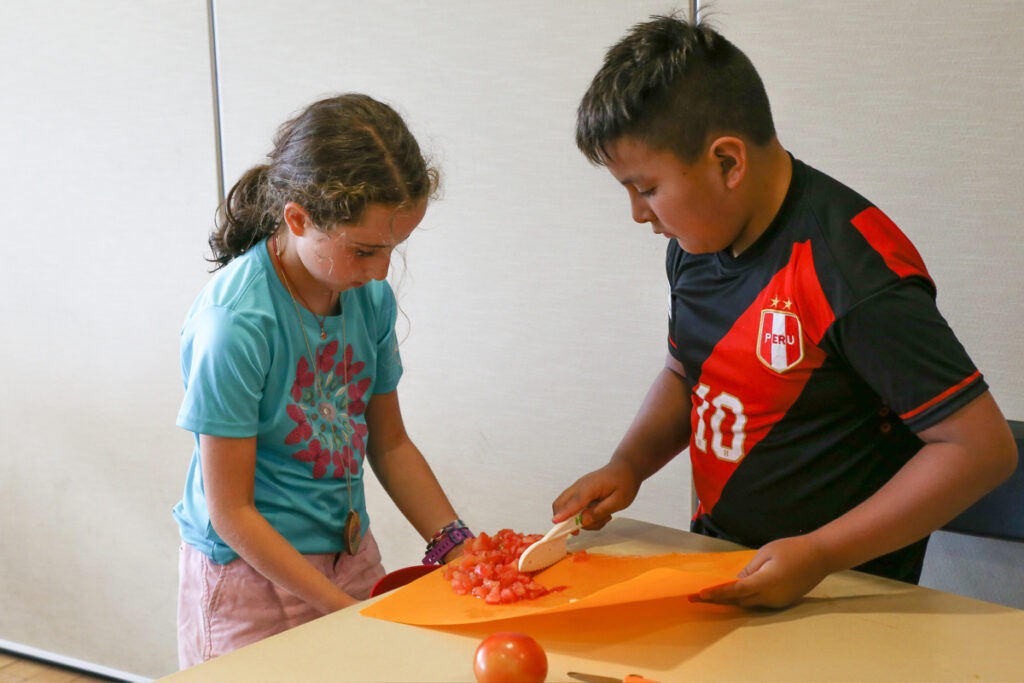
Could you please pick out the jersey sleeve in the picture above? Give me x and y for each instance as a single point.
(899, 343)
(673, 260)
(224, 362)
(389, 361)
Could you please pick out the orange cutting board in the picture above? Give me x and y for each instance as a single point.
(599, 581)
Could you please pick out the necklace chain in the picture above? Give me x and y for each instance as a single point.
(319, 319)
(317, 390)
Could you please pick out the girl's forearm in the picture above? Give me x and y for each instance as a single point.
(258, 543)
(407, 478)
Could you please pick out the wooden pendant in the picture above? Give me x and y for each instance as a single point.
(353, 532)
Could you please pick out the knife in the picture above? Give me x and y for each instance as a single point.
(551, 547)
(592, 678)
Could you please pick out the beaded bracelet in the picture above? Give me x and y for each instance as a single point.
(444, 540)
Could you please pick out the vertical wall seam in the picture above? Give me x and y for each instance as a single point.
(215, 85)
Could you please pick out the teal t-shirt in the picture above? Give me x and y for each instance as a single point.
(247, 372)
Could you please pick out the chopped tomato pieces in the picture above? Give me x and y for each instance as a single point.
(489, 569)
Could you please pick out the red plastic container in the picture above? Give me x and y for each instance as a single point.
(400, 577)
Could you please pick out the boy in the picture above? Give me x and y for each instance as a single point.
(832, 417)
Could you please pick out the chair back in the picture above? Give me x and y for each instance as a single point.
(1000, 513)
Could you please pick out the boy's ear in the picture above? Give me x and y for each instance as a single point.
(730, 155)
(297, 218)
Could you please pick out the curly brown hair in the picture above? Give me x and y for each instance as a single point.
(335, 158)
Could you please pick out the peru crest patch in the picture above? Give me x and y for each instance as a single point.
(780, 343)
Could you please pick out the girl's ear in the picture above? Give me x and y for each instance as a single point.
(297, 218)
(730, 156)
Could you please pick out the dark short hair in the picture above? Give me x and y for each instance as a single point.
(673, 84)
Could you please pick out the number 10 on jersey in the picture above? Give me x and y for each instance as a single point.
(727, 435)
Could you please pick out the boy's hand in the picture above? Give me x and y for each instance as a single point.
(603, 492)
(781, 573)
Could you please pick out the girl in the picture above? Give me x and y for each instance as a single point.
(290, 367)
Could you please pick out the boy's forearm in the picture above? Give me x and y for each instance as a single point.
(965, 456)
(661, 428)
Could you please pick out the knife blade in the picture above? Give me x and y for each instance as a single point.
(594, 678)
(551, 547)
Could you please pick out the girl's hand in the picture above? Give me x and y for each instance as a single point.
(781, 573)
(454, 552)
(341, 601)
(602, 492)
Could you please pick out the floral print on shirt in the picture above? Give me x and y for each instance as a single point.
(325, 415)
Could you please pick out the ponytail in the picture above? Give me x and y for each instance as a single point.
(334, 158)
(244, 218)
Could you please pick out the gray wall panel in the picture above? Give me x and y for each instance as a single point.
(917, 105)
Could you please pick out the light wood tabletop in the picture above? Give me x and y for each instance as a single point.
(852, 628)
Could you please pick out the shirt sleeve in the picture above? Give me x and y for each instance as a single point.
(224, 363)
(673, 257)
(389, 361)
(900, 344)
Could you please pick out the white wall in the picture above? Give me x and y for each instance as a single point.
(108, 183)
(536, 308)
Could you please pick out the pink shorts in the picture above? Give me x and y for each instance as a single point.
(222, 607)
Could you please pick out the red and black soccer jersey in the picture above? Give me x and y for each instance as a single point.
(812, 359)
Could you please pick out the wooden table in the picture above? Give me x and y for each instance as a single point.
(852, 627)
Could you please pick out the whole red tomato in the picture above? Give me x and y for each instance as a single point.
(510, 657)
